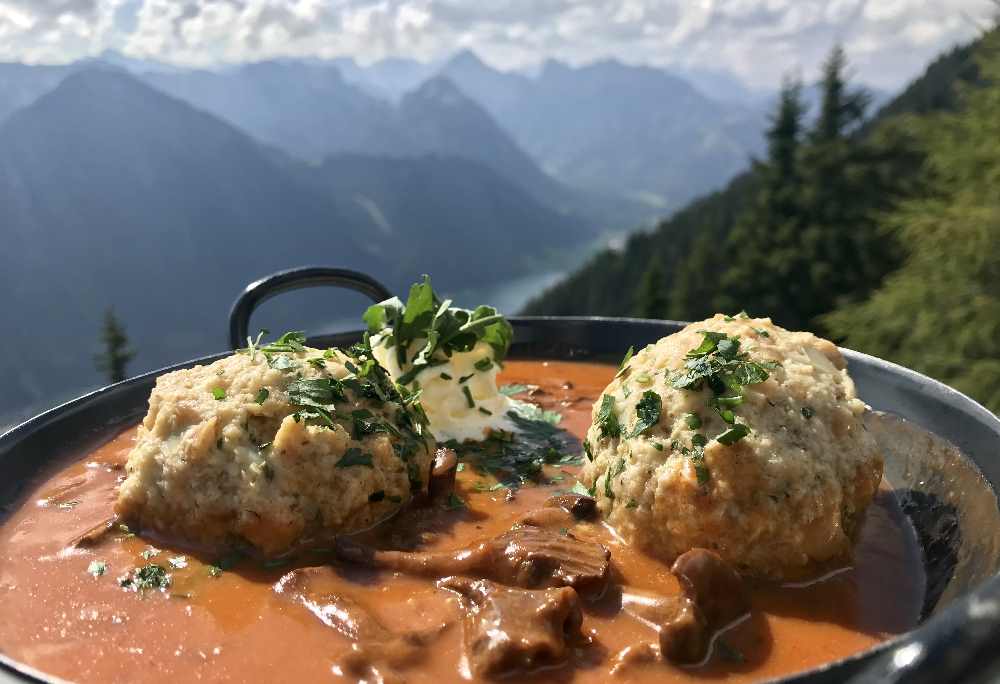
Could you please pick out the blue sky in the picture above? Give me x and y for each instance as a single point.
(888, 41)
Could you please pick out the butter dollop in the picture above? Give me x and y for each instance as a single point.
(462, 401)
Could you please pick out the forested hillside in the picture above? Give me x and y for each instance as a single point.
(940, 312)
(835, 207)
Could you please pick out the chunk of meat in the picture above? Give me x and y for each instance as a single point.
(557, 519)
(525, 556)
(713, 584)
(516, 630)
(713, 597)
(377, 652)
(96, 534)
(443, 470)
(681, 627)
(582, 507)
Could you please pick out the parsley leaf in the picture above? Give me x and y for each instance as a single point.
(293, 341)
(623, 366)
(354, 457)
(808, 412)
(511, 390)
(647, 412)
(97, 568)
(318, 392)
(262, 394)
(733, 434)
(219, 393)
(607, 418)
(611, 475)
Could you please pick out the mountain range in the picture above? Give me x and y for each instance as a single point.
(116, 172)
(114, 194)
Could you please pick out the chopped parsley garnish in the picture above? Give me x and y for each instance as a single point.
(214, 571)
(365, 423)
(97, 568)
(692, 420)
(647, 412)
(697, 456)
(632, 503)
(611, 475)
(281, 362)
(318, 392)
(658, 446)
(699, 440)
(470, 402)
(149, 576)
(511, 390)
(219, 393)
(484, 364)
(178, 562)
(579, 488)
(445, 376)
(607, 418)
(623, 366)
(530, 413)
(719, 364)
(354, 457)
(315, 399)
(292, 342)
(465, 378)
(426, 331)
(515, 462)
(149, 553)
(733, 434)
(485, 412)
(588, 450)
(808, 412)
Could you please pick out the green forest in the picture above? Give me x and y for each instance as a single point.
(879, 230)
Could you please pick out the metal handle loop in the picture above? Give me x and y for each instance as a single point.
(270, 286)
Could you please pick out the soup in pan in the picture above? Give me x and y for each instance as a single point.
(499, 567)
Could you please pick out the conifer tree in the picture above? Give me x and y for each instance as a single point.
(651, 296)
(761, 256)
(810, 241)
(940, 312)
(116, 353)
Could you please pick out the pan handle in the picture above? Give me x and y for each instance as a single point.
(261, 290)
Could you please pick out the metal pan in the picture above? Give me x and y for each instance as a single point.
(942, 453)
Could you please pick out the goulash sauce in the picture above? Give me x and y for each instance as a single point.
(67, 614)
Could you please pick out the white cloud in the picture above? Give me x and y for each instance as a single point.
(759, 40)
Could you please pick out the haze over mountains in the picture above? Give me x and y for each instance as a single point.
(161, 191)
(115, 194)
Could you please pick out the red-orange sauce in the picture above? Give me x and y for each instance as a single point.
(232, 627)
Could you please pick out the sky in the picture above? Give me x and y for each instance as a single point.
(888, 41)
